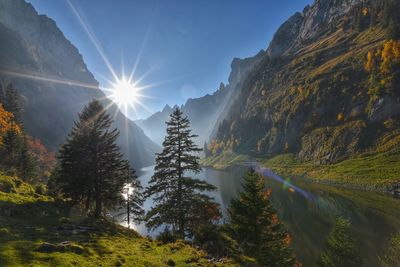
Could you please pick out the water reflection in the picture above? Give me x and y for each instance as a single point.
(309, 217)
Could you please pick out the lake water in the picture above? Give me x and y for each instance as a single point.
(310, 210)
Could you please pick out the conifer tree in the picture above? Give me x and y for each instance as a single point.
(177, 197)
(11, 102)
(341, 246)
(255, 226)
(92, 169)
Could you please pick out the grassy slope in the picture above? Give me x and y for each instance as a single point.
(370, 171)
(28, 219)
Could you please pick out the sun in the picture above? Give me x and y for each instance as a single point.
(124, 93)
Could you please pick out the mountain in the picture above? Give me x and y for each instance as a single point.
(327, 87)
(54, 81)
(204, 112)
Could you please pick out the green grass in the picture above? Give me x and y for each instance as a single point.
(225, 160)
(369, 171)
(27, 220)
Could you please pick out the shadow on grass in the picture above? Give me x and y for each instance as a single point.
(26, 225)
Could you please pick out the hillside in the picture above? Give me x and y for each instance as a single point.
(54, 81)
(206, 112)
(38, 230)
(326, 89)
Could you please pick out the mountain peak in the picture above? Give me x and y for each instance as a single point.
(167, 108)
(304, 27)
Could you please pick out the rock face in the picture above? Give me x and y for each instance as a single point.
(303, 28)
(206, 112)
(331, 144)
(308, 94)
(54, 81)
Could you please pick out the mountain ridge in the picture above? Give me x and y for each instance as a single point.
(311, 97)
(54, 81)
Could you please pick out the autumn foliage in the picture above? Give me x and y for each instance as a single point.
(45, 159)
(7, 123)
(383, 68)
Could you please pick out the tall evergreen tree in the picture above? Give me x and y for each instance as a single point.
(177, 197)
(255, 226)
(341, 246)
(11, 102)
(92, 169)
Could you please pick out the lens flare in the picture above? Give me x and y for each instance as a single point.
(124, 93)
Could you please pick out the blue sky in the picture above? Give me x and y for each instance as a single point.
(185, 47)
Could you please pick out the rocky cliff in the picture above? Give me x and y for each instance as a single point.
(206, 112)
(54, 81)
(326, 88)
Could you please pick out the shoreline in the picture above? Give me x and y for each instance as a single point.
(343, 174)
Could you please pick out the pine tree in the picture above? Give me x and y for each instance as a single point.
(11, 102)
(15, 156)
(341, 246)
(177, 197)
(255, 225)
(92, 169)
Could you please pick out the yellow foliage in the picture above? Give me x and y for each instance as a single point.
(369, 66)
(340, 116)
(7, 123)
(389, 124)
(300, 89)
(365, 11)
(390, 55)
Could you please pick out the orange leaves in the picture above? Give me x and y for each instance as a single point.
(385, 58)
(365, 11)
(340, 116)
(369, 66)
(7, 123)
(46, 160)
(390, 55)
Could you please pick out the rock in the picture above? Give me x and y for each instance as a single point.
(384, 108)
(331, 144)
(40, 48)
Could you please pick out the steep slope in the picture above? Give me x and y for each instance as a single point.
(54, 81)
(312, 94)
(204, 112)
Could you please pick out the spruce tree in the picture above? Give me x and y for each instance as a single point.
(341, 246)
(255, 226)
(11, 102)
(15, 156)
(92, 169)
(177, 196)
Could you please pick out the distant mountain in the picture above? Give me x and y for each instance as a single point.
(204, 112)
(326, 88)
(33, 53)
